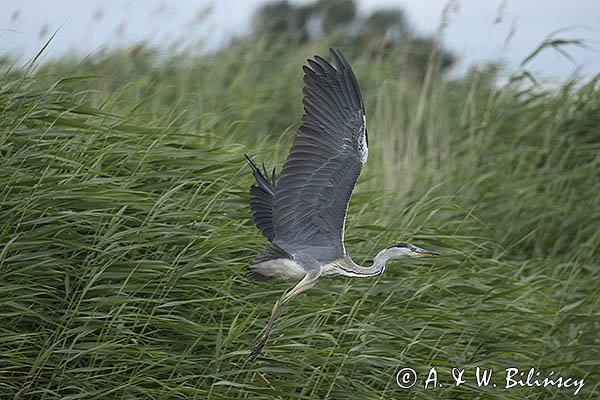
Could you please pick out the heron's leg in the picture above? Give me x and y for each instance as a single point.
(306, 283)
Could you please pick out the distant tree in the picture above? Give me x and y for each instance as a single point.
(421, 50)
(336, 15)
(380, 32)
(390, 23)
(383, 29)
(281, 18)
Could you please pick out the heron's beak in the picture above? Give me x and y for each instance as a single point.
(428, 253)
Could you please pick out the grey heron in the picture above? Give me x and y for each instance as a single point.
(303, 214)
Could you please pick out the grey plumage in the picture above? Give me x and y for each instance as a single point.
(262, 199)
(324, 162)
(303, 214)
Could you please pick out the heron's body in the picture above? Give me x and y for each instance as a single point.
(294, 269)
(303, 215)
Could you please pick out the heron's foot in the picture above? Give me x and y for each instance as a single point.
(256, 350)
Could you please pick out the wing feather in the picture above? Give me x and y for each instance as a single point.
(319, 175)
(262, 195)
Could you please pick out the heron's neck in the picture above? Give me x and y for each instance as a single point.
(379, 263)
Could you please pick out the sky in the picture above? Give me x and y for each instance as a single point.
(477, 30)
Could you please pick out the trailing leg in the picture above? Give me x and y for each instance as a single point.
(306, 283)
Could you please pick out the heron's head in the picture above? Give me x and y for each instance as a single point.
(408, 250)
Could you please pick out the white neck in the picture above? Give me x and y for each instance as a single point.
(379, 263)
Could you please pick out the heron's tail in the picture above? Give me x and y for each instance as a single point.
(272, 262)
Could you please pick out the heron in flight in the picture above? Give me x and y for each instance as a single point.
(303, 214)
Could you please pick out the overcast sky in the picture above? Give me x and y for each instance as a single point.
(477, 29)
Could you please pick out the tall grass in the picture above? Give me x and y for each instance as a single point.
(125, 228)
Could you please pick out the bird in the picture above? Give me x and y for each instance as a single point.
(303, 214)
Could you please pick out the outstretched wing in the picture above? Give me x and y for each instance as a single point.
(321, 170)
